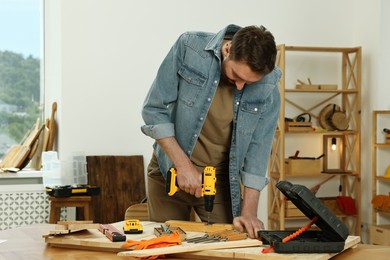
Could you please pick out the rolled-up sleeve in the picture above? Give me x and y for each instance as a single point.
(159, 131)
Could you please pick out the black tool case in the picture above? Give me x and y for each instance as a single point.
(329, 239)
(69, 190)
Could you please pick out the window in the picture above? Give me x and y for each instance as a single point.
(20, 69)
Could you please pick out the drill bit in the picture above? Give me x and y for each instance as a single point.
(208, 218)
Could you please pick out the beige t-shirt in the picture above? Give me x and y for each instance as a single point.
(213, 146)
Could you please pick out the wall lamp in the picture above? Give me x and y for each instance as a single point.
(334, 154)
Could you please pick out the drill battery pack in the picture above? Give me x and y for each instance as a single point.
(331, 232)
(69, 190)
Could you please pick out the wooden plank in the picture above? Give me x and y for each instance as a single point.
(198, 226)
(255, 253)
(93, 239)
(119, 177)
(191, 247)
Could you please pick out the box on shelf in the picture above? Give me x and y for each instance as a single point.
(303, 166)
(299, 127)
(387, 141)
(316, 86)
(380, 235)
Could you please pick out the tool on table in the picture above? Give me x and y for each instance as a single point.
(219, 236)
(112, 233)
(158, 242)
(166, 230)
(209, 180)
(132, 226)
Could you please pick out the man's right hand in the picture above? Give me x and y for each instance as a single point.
(188, 177)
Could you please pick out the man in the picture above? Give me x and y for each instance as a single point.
(214, 102)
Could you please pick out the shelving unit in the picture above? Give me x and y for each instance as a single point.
(380, 183)
(310, 100)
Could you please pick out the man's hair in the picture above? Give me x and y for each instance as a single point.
(255, 46)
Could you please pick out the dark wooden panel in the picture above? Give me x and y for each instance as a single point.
(122, 184)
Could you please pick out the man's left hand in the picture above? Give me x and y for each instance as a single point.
(249, 224)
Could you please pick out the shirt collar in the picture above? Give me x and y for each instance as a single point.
(215, 44)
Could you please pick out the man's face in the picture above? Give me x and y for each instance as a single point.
(238, 73)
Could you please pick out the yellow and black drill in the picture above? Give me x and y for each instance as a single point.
(209, 190)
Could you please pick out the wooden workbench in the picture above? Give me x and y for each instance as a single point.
(27, 243)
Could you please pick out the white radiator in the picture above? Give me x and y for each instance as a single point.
(24, 204)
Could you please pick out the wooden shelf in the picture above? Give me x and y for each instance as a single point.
(350, 91)
(346, 94)
(382, 178)
(379, 117)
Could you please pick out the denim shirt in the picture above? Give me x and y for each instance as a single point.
(180, 97)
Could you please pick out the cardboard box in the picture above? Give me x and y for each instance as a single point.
(387, 138)
(380, 235)
(302, 166)
(299, 127)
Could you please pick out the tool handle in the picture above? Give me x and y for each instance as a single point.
(171, 186)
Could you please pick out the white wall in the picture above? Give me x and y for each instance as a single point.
(102, 55)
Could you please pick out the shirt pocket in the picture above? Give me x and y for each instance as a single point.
(249, 117)
(191, 83)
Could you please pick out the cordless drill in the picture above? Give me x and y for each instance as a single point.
(209, 190)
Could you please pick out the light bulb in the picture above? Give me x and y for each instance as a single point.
(333, 147)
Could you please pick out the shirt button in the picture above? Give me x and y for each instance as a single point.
(215, 81)
(201, 119)
(237, 103)
(195, 135)
(209, 99)
(256, 109)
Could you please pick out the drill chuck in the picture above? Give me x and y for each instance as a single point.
(209, 202)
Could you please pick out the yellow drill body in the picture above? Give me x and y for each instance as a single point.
(209, 180)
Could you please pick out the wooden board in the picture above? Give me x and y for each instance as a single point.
(93, 239)
(192, 247)
(243, 249)
(255, 253)
(122, 184)
(198, 226)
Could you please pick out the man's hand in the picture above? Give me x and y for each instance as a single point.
(249, 224)
(248, 221)
(189, 180)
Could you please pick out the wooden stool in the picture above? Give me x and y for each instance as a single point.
(74, 201)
